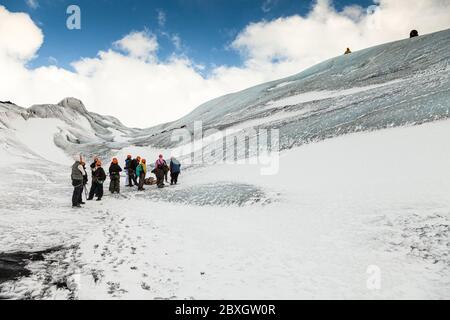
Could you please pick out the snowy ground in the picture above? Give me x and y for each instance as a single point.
(311, 231)
(362, 194)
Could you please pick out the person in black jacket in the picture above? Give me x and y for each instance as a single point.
(98, 178)
(159, 171)
(93, 165)
(133, 165)
(129, 181)
(414, 33)
(114, 175)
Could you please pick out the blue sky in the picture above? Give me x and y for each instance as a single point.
(205, 27)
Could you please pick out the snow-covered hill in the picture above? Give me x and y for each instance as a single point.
(55, 132)
(338, 206)
(396, 84)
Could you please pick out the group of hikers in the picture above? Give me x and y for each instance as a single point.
(136, 173)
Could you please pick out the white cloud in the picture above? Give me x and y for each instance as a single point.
(19, 37)
(129, 81)
(33, 4)
(139, 45)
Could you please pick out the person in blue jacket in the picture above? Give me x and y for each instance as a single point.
(175, 170)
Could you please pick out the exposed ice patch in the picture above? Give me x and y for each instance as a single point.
(214, 194)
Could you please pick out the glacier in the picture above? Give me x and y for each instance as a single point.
(385, 86)
(363, 181)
